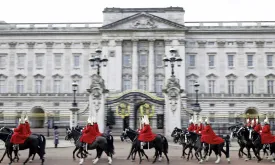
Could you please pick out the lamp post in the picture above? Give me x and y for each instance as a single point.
(97, 60)
(74, 109)
(173, 59)
(75, 87)
(196, 107)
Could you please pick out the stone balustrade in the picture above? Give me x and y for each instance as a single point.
(226, 95)
(231, 23)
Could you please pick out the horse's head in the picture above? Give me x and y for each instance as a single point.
(176, 134)
(6, 130)
(128, 133)
(68, 134)
(190, 136)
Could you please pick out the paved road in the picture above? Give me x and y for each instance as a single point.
(63, 156)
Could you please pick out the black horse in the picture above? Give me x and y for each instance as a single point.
(102, 143)
(178, 137)
(35, 144)
(246, 134)
(160, 144)
(132, 135)
(235, 134)
(217, 148)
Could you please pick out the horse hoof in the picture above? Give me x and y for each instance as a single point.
(30, 161)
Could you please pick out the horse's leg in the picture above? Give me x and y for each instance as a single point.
(76, 148)
(248, 154)
(218, 154)
(256, 154)
(183, 150)
(32, 157)
(3, 155)
(190, 150)
(140, 160)
(30, 154)
(9, 152)
(131, 151)
(143, 153)
(157, 155)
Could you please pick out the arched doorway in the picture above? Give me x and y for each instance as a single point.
(37, 118)
(251, 113)
(136, 114)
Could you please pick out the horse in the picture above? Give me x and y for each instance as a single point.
(245, 134)
(75, 135)
(132, 135)
(178, 138)
(235, 134)
(35, 144)
(160, 144)
(100, 144)
(217, 148)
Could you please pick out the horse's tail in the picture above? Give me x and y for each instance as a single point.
(165, 145)
(42, 144)
(110, 144)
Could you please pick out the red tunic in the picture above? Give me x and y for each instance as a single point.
(28, 128)
(89, 135)
(248, 125)
(209, 136)
(266, 135)
(97, 129)
(200, 128)
(195, 128)
(19, 135)
(191, 127)
(258, 128)
(146, 134)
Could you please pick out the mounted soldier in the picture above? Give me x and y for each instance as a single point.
(146, 134)
(209, 136)
(27, 124)
(95, 125)
(266, 136)
(88, 134)
(19, 134)
(258, 127)
(248, 123)
(191, 126)
(200, 127)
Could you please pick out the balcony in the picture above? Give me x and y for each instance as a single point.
(226, 95)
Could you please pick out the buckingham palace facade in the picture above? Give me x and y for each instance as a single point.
(234, 63)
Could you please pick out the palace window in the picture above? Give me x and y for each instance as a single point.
(158, 86)
(58, 60)
(270, 86)
(143, 84)
(3, 60)
(143, 60)
(57, 86)
(38, 86)
(2, 86)
(76, 62)
(211, 60)
(250, 86)
(191, 88)
(231, 84)
(269, 60)
(20, 86)
(230, 60)
(159, 60)
(192, 60)
(211, 86)
(127, 85)
(39, 60)
(250, 60)
(21, 61)
(126, 60)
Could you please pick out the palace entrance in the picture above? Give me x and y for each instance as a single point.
(130, 107)
(251, 113)
(37, 117)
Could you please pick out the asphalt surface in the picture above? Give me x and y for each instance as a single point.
(63, 156)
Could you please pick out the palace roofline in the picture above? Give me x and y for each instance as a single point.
(134, 10)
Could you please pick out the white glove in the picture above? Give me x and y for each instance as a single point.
(260, 131)
(199, 131)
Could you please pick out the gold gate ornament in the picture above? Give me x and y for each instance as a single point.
(147, 109)
(123, 110)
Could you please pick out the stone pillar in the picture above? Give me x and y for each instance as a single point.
(97, 100)
(31, 62)
(168, 45)
(67, 68)
(118, 63)
(135, 65)
(12, 68)
(151, 66)
(105, 52)
(172, 92)
(73, 117)
(49, 66)
(181, 71)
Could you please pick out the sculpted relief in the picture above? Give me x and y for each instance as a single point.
(144, 24)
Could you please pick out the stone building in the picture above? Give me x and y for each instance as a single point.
(234, 63)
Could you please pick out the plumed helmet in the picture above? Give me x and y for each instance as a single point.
(89, 121)
(191, 121)
(146, 120)
(257, 121)
(252, 122)
(247, 120)
(266, 121)
(22, 120)
(26, 118)
(206, 121)
(200, 120)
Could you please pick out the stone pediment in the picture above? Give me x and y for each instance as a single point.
(231, 76)
(143, 21)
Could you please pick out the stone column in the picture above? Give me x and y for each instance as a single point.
(135, 66)
(151, 66)
(104, 72)
(66, 67)
(49, 66)
(11, 80)
(118, 58)
(31, 62)
(97, 96)
(172, 94)
(181, 71)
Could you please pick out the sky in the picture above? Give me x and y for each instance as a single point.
(53, 11)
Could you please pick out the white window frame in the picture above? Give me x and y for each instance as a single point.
(211, 86)
(19, 86)
(127, 84)
(159, 60)
(250, 62)
(20, 63)
(129, 63)
(3, 85)
(143, 63)
(56, 55)
(231, 86)
(3, 60)
(75, 55)
(192, 63)
(250, 86)
(37, 55)
(211, 64)
(158, 86)
(55, 86)
(38, 90)
(230, 62)
(270, 86)
(268, 62)
(142, 84)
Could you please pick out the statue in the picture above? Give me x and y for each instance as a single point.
(172, 82)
